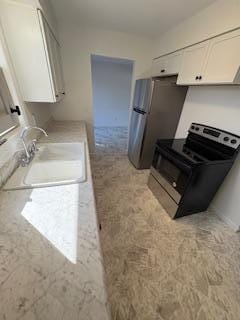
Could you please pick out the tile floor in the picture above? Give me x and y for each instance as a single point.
(156, 268)
(111, 140)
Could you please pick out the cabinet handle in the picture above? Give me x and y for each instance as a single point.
(63, 92)
(200, 78)
(163, 70)
(197, 78)
(15, 110)
(56, 95)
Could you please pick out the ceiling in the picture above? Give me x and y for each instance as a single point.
(142, 17)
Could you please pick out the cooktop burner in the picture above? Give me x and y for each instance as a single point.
(193, 152)
(203, 145)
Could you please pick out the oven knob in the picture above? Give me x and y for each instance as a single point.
(174, 185)
(226, 139)
(192, 127)
(197, 129)
(233, 141)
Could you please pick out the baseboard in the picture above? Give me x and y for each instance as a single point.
(228, 221)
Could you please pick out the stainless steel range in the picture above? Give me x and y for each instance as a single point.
(186, 173)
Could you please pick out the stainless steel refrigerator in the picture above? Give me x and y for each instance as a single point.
(157, 106)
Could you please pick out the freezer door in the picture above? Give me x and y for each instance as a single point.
(136, 134)
(141, 94)
(136, 96)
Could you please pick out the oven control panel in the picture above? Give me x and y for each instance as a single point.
(218, 135)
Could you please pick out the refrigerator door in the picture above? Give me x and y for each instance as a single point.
(137, 128)
(141, 100)
(163, 117)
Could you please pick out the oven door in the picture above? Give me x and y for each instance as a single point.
(171, 173)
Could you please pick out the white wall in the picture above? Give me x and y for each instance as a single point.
(111, 81)
(216, 106)
(78, 43)
(213, 105)
(219, 17)
(40, 111)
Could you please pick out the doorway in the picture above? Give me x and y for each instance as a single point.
(111, 85)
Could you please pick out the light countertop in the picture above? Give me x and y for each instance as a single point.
(50, 256)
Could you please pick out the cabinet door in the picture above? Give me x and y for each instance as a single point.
(223, 61)
(7, 120)
(159, 67)
(174, 61)
(24, 38)
(54, 60)
(193, 63)
(58, 67)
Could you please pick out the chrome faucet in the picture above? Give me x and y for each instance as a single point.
(29, 150)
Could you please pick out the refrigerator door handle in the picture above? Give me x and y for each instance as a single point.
(139, 111)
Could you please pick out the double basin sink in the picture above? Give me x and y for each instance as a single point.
(53, 164)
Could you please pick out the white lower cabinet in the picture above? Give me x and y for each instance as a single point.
(34, 51)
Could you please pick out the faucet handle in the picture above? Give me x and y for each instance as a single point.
(33, 147)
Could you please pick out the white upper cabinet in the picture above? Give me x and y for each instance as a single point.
(167, 65)
(174, 62)
(192, 64)
(34, 51)
(53, 57)
(216, 61)
(159, 66)
(223, 60)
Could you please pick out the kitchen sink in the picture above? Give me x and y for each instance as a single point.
(53, 164)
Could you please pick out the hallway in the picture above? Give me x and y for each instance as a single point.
(157, 268)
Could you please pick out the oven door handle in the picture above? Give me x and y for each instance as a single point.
(174, 160)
